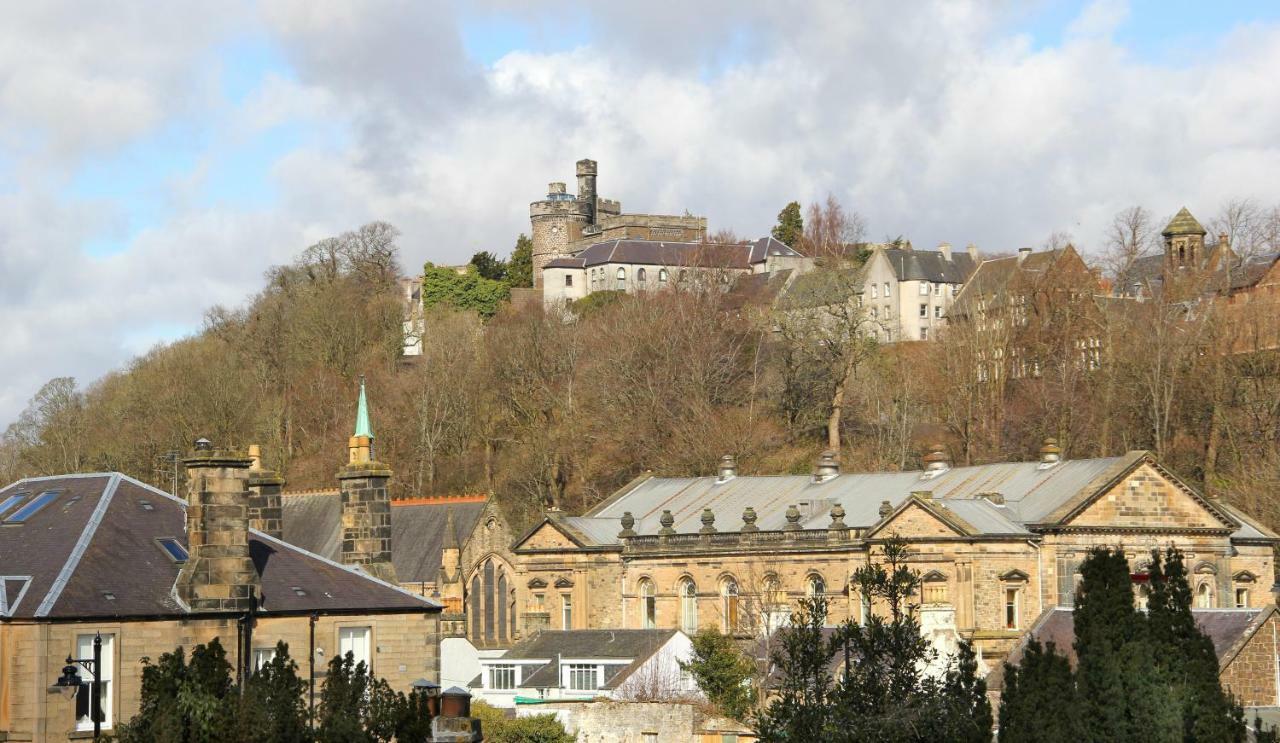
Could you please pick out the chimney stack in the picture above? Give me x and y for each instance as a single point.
(937, 460)
(945, 249)
(972, 250)
(1050, 453)
(1022, 254)
(219, 574)
(366, 503)
(587, 186)
(265, 513)
(555, 188)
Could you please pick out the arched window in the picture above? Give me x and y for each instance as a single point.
(684, 274)
(648, 605)
(729, 599)
(641, 277)
(500, 598)
(475, 608)
(816, 587)
(622, 278)
(1204, 596)
(662, 275)
(688, 606)
(489, 608)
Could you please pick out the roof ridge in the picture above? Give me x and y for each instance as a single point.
(82, 544)
(152, 488)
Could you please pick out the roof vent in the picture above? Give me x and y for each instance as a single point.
(993, 498)
(1050, 454)
(1023, 253)
(728, 468)
(936, 461)
(828, 467)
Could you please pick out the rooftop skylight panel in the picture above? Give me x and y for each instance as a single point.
(173, 548)
(10, 502)
(29, 510)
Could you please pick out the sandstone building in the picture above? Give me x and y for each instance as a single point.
(103, 554)
(564, 224)
(997, 545)
(906, 294)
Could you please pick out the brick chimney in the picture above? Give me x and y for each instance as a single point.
(264, 497)
(219, 573)
(366, 502)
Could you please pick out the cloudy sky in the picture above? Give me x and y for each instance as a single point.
(155, 158)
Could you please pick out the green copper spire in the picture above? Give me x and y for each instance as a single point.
(362, 414)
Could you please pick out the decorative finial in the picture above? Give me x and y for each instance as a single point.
(749, 519)
(628, 521)
(886, 508)
(837, 517)
(667, 520)
(708, 522)
(362, 414)
(793, 518)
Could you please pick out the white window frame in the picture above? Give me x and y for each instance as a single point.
(502, 668)
(106, 677)
(576, 673)
(622, 277)
(875, 290)
(688, 606)
(262, 656)
(924, 288)
(1242, 597)
(566, 611)
(888, 291)
(1016, 592)
(358, 640)
(648, 605)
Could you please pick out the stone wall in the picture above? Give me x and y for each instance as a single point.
(404, 647)
(1251, 674)
(637, 722)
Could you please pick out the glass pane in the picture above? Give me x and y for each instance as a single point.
(175, 551)
(27, 511)
(10, 502)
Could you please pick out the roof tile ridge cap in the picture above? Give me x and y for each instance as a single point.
(82, 544)
(348, 568)
(171, 496)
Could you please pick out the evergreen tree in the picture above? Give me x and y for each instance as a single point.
(1124, 696)
(790, 227)
(801, 706)
(343, 711)
(489, 266)
(463, 291)
(520, 264)
(273, 705)
(186, 702)
(1039, 701)
(722, 672)
(1186, 655)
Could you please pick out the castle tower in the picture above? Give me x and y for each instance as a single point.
(1184, 241)
(366, 502)
(558, 221)
(219, 574)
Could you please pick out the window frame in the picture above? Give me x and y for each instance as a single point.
(350, 630)
(688, 593)
(576, 674)
(648, 604)
(507, 670)
(83, 648)
(1012, 609)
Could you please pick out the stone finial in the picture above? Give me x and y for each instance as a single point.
(667, 521)
(828, 466)
(628, 524)
(837, 517)
(1050, 452)
(793, 518)
(728, 468)
(749, 519)
(937, 460)
(708, 522)
(886, 508)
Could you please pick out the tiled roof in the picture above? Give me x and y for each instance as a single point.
(993, 280)
(663, 253)
(313, 521)
(94, 552)
(930, 265)
(1184, 224)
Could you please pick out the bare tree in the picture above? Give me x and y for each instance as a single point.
(830, 230)
(1131, 235)
(1244, 223)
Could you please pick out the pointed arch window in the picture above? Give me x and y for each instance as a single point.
(688, 606)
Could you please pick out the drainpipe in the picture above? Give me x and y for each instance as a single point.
(311, 670)
(1039, 577)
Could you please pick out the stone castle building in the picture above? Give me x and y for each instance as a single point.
(563, 224)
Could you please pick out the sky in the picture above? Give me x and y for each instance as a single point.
(157, 158)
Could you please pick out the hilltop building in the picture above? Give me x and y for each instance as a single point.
(564, 224)
(907, 293)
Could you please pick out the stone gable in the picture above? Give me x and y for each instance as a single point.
(914, 522)
(547, 536)
(1146, 498)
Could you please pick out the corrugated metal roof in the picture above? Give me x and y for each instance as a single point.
(1030, 492)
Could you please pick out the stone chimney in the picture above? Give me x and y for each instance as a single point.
(265, 513)
(1050, 453)
(937, 460)
(1022, 254)
(366, 502)
(945, 249)
(972, 250)
(219, 574)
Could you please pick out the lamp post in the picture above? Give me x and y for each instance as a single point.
(69, 682)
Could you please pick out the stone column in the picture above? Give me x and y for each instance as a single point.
(219, 574)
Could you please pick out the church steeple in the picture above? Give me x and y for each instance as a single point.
(366, 502)
(360, 446)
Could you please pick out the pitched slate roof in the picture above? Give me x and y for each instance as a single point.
(1226, 628)
(93, 552)
(993, 279)
(930, 265)
(1183, 224)
(630, 648)
(663, 253)
(313, 521)
(1032, 494)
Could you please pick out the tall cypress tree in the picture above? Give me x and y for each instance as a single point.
(1124, 696)
(1039, 701)
(790, 226)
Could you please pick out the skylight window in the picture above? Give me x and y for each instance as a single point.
(29, 510)
(11, 501)
(146, 505)
(173, 548)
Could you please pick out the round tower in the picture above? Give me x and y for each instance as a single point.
(556, 223)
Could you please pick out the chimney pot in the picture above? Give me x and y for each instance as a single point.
(1050, 453)
(203, 444)
(937, 460)
(972, 250)
(828, 467)
(728, 468)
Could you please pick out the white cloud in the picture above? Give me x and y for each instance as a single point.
(937, 123)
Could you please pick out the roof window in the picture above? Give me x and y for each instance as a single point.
(108, 595)
(174, 549)
(11, 501)
(299, 590)
(30, 509)
(146, 505)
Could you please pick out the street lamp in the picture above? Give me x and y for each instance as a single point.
(70, 682)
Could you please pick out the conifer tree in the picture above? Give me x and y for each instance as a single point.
(790, 227)
(273, 705)
(520, 264)
(1039, 701)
